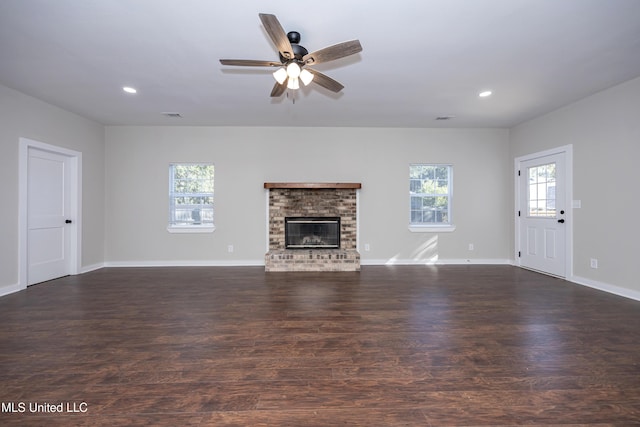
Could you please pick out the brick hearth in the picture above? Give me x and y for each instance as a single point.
(311, 200)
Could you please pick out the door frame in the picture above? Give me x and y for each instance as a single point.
(75, 199)
(567, 151)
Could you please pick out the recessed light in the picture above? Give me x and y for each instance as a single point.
(485, 93)
(173, 114)
(445, 117)
(129, 89)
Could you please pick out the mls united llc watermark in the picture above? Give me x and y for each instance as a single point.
(44, 407)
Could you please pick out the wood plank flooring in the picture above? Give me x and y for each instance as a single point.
(235, 346)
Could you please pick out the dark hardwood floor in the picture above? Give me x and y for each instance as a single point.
(406, 345)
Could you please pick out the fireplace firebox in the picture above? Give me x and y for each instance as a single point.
(312, 232)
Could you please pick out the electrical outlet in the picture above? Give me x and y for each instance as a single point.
(367, 247)
(230, 248)
(471, 246)
(594, 263)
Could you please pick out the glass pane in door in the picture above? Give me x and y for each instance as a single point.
(542, 191)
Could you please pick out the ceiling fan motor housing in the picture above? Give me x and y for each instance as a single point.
(298, 51)
(294, 37)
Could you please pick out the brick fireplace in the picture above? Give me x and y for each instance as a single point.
(312, 200)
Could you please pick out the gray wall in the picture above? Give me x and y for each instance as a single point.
(125, 185)
(604, 130)
(24, 116)
(137, 161)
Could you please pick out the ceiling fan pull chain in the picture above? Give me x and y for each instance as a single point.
(291, 94)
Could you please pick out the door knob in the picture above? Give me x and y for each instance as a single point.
(68, 221)
(561, 221)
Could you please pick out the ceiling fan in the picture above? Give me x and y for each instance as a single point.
(295, 59)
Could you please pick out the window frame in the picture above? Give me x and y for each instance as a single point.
(424, 227)
(188, 228)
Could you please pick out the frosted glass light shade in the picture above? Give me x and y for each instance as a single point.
(292, 74)
(293, 83)
(280, 75)
(306, 76)
(293, 70)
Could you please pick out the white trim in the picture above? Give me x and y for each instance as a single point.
(10, 289)
(75, 253)
(606, 287)
(357, 219)
(92, 267)
(436, 261)
(190, 229)
(261, 262)
(567, 150)
(432, 228)
(187, 263)
(266, 228)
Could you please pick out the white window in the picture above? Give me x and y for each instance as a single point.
(430, 197)
(191, 197)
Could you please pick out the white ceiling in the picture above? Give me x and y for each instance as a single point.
(421, 59)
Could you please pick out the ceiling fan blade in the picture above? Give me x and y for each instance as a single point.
(325, 81)
(278, 89)
(331, 53)
(277, 34)
(250, 63)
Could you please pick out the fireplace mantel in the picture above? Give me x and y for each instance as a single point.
(313, 185)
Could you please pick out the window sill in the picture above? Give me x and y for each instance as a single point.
(191, 229)
(431, 228)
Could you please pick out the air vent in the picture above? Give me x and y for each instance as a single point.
(170, 114)
(444, 117)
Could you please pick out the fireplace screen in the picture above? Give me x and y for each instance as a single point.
(312, 232)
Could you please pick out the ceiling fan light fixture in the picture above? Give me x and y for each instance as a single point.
(293, 70)
(293, 83)
(280, 75)
(293, 57)
(306, 76)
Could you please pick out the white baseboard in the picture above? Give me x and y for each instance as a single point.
(9, 289)
(606, 287)
(260, 263)
(92, 267)
(214, 263)
(452, 261)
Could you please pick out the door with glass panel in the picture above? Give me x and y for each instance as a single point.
(542, 214)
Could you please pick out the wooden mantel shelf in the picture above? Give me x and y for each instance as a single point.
(312, 185)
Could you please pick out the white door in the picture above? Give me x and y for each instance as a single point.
(48, 216)
(542, 214)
